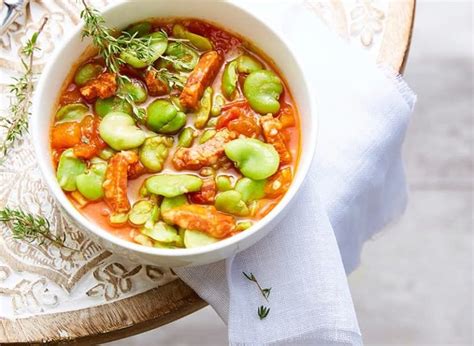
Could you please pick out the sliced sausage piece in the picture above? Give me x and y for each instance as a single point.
(271, 132)
(208, 192)
(156, 87)
(203, 155)
(136, 170)
(91, 144)
(203, 218)
(104, 86)
(116, 179)
(202, 76)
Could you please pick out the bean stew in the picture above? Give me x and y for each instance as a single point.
(207, 148)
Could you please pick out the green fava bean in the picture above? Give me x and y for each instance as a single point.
(251, 190)
(168, 185)
(219, 101)
(107, 154)
(139, 29)
(207, 135)
(194, 239)
(164, 118)
(200, 42)
(69, 168)
(173, 202)
(183, 57)
(159, 43)
(154, 152)
(119, 131)
(87, 73)
(212, 122)
(174, 125)
(72, 112)
(162, 233)
(112, 104)
(177, 103)
(89, 184)
(243, 226)
(141, 212)
(248, 64)
(231, 202)
(263, 89)
(186, 138)
(255, 159)
(224, 183)
(202, 115)
(229, 80)
(135, 89)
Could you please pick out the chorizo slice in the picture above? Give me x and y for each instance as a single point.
(156, 86)
(104, 86)
(116, 180)
(201, 77)
(208, 192)
(91, 144)
(203, 218)
(203, 155)
(272, 133)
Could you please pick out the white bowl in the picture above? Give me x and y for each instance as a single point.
(227, 15)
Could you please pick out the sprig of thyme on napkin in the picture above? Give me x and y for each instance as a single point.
(263, 311)
(16, 124)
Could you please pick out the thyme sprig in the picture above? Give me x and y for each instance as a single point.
(16, 124)
(263, 311)
(172, 79)
(30, 228)
(265, 291)
(110, 46)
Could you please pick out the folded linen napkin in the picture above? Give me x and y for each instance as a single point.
(355, 186)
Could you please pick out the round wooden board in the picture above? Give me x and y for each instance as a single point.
(174, 300)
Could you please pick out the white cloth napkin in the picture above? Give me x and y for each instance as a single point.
(355, 187)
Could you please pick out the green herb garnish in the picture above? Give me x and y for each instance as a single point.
(21, 91)
(263, 311)
(30, 228)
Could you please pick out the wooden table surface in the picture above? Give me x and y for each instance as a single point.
(383, 28)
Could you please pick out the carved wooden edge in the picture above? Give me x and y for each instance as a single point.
(398, 33)
(105, 323)
(175, 300)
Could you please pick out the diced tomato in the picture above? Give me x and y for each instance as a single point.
(227, 117)
(245, 125)
(85, 151)
(72, 95)
(287, 116)
(264, 206)
(66, 135)
(279, 183)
